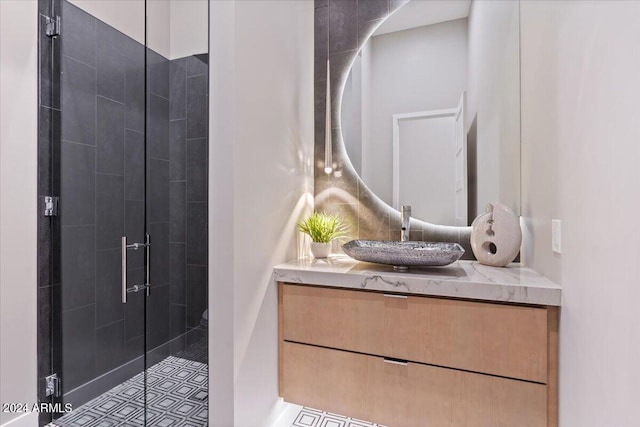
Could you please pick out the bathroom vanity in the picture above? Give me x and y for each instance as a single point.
(462, 345)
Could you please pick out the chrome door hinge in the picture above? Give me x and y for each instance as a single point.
(51, 206)
(52, 385)
(53, 26)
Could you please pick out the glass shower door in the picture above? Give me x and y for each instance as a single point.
(99, 345)
(126, 129)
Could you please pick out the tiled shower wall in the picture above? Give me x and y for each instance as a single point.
(188, 188)
(92, 154)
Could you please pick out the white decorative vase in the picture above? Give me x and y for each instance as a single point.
(496, 236)
(320, 250)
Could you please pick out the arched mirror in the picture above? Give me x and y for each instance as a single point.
(430, 111)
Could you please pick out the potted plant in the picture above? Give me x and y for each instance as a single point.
(322, 228)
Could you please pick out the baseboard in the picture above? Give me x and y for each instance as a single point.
(105, 382)
(26, 420)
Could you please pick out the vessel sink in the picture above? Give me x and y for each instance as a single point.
(404, 254)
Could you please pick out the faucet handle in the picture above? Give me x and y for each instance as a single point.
(406, 209)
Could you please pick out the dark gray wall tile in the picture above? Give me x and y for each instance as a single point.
(78, 266)
(178, 89)
(78, 346)
(134, 230)
(321, 3)
(159, 236)
(320, 92)
(178, 271)
(134, 308)
(321, 41)
(158, 67)
(196, 335)
(197, 174)
(109, 307)
(110, 347)
(79, 34)
(177, 149)
(365, 29)
(134, 165)
(178, 344)
(339, 62)
(197, 65)
(158, 191)
(196, 294)
(44, 331)
(134, 347)
(48, 138)
(395, 4)
(177, 212)
(56, 327)
(44, 249)
(158, 127)
(159, 353)
(110, 137)
(134, 90)
(56, 241)
(197, 107)
(111, 62)
(197, 250)
(44, 7)
(343, 18)
(178, 320)
(78, 102)
(77, 192)
(109, 211)
(372, 9)
(159, 319)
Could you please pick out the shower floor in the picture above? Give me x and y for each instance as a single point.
(177, 396)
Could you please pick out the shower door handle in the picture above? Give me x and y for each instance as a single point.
(124, 269)
(134, 246)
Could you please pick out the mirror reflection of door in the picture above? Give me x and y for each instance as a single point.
(429, 164)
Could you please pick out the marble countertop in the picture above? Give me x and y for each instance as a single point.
(462, 279)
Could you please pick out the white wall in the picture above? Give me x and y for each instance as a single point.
(494, 95)
(221, 213)
(420, 69)
(18, 195)
(189, 27)
(125, 16)
(267, 162)
(175, 28)
(581, 164)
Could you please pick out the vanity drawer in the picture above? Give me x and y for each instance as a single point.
(499, 339)
(405, 395)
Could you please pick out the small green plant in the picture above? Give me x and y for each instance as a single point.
(322, 227)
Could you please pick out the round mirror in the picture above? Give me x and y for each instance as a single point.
(430, 112)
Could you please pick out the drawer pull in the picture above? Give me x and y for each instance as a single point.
(396, 362)
(395, 296)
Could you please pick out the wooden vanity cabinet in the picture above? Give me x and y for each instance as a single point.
(406, 361)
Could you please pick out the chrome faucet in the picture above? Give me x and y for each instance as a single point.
(405, 220)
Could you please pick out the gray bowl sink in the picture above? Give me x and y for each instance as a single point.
(404, 254)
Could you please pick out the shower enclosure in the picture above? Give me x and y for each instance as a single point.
(122, 251)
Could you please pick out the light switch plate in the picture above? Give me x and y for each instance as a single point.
(556, 236)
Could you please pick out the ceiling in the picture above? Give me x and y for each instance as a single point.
(418, 13)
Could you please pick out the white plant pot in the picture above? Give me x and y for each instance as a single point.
(320, 250)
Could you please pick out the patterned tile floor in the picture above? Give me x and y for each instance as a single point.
(177, 396)
(309, 417)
